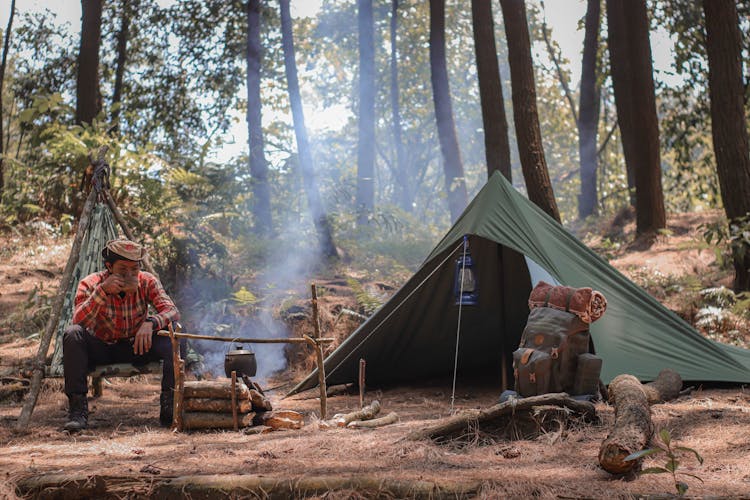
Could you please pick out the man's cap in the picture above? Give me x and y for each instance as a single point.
(128, 250)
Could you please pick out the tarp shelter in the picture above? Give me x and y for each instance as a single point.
(514, 244)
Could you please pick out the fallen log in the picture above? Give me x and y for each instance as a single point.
(216, 405)
(391, 418)
(280, 419)
(216, 389)
(231, 486)
(464, 420)
(259, 401)
(665, 387)
(632, 429)
(203, 420)
(366, 413)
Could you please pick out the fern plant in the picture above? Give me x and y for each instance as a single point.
(367, 302)
(672, 465)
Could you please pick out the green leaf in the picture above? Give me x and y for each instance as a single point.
(691, 475)
(681, 487)
(665, 436)
(672, 465)
(26, 115)
(244, 296)
(690, 450)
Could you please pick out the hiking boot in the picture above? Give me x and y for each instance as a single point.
(166, 409)
(78, 413)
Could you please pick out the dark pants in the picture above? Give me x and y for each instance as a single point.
(82, 352)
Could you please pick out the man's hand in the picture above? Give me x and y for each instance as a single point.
(113, 284)
(142, 342)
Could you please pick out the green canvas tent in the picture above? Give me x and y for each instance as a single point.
(514, 245)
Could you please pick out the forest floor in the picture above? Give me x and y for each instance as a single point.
(124, 454)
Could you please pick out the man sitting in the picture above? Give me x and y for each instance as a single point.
(111, 324)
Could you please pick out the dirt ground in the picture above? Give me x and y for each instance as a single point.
(126, 455)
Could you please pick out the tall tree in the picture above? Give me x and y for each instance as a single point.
(455, 184)
(525, 116)
(127, 8)
(496, 145)
(588, 115)
(257, 158)
(728, 122)
(88, 95)
(633, 82)
(401, 173)
(366, 144)
(6, 44)
(304, 154)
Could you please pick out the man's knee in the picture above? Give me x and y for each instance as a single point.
(74, 334)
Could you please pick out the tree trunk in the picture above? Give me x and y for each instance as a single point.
(632, 77)
(402, 175)
(214, 389)
(588, 120)
(256, 158)
(6, 45)
(496, 145)
(455, 183)
(633, 427)
(366, 144)
(729, 125)
(528, 133)
(128, 7)
(319, 216)
(665, 387)
(88, 96)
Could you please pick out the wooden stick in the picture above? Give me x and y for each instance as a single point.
(245, 340)
(366, 413)
(362, 364)
(234, 400)
(315, 317)
(321, 374)
(54, 318)
(391, 418)
(179, 382)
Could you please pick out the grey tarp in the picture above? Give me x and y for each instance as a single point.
(413, 335)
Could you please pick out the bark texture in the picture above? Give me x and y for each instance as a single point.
(496, 145)
(216, 405)
(665, 387)
(400, 169)
(588, 118)
(366, 143)
(728, 120)
(217, 389)
(633, 427)
(632, 78)
(193, 420)
(525, 115)
(6, 45)
(127, 7)
(455, 184)
(257, 158)
(88, 96)
(319, 217)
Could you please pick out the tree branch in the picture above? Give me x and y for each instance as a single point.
(560, 74)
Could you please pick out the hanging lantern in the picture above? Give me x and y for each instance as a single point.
(465, 284)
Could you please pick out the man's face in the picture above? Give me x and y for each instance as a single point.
(128, 269)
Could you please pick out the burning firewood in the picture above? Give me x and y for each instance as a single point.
(391, 418)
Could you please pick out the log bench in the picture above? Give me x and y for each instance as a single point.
(114, 370)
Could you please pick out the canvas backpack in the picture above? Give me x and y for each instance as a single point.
(547, 358)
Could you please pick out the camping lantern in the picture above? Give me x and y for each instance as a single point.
(465, 284)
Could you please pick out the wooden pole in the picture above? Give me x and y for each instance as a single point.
(54, 318)
(315, 317)
(361, 380)
(179, 381)
(321, 374)
(234, 401)
(125, 228)
(243, 339)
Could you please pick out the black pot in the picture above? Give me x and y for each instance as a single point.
(241, 361)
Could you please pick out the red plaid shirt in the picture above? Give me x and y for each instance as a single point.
(111, 317)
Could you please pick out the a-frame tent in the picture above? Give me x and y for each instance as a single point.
(514, 244)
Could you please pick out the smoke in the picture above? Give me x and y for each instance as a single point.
(286, 274)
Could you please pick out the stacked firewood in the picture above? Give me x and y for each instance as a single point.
(211, 405)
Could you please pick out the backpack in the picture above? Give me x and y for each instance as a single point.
(547, 358)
